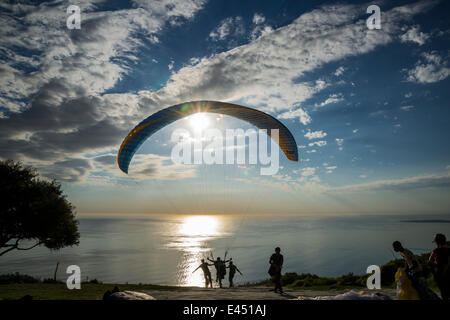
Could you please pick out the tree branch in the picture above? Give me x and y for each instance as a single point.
(37, 244)
(16, 246)
(7, 250)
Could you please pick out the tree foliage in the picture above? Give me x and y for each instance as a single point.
(33, 211)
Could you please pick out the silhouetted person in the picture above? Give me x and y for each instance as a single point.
(233, 270)
(206, 272)
(413, 266)
(440, 259)
(276, 263)
(221, 270)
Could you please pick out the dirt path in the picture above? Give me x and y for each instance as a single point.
(246, 293)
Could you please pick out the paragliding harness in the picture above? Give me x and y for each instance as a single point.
(412, 288)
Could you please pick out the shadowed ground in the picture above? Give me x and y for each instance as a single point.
(96, 291)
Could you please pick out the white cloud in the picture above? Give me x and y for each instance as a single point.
(308, 171)
(407, 108)
(408, 95)
(339, 71)
(414, 35)
(418, 182)
(145, 166)
(330, 169)
(301, 114)
(334, 98)
(315, 134)
(260, 31)
(378, 113)
(320, 143)
(73, 70)
(228, 27)
(258, 18)
(261, 73)
(339, 141)
(432, 68)
(355, 131)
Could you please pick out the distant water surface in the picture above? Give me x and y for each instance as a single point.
(162, 250)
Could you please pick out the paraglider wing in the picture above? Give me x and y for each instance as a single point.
(166, 116)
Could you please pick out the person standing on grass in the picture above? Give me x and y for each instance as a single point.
(276, 263)
(221, 270)
(232, 272)
(440, 260)
(206, 272)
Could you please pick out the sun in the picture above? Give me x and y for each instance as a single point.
(200, 226)
(199, 122)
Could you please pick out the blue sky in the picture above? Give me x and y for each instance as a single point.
(368, 108)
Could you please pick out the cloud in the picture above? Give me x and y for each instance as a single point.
(55, 113)
(308, 171)
(299, 113)
(330, 169)
(378, 113)
(407, 108)
(320, 143)
(147, 166)
(339, 71)
(406, 184)
(68, 171)
(228, 27)
(334, 98)
(258, 18)
(432, 68)
(340, 142)
(315, 134)
(53, 80)
(260, 29)
(414, 35)
(267, 72)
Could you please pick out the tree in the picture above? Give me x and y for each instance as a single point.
(33, 210)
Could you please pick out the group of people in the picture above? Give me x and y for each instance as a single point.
(275, 261)
(439, 259)
(221, 271)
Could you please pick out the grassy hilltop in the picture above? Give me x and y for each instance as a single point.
(15, 286)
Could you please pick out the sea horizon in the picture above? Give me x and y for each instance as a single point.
(165, 250)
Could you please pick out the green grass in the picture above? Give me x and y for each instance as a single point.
(59, 291)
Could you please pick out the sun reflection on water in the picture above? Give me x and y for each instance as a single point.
(191, 237)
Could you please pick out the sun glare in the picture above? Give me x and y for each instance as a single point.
(192, 238)
(199, 121)
(199, 226)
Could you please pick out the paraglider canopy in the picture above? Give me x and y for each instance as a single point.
(166, 116)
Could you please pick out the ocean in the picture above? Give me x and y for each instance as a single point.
(166, 250)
